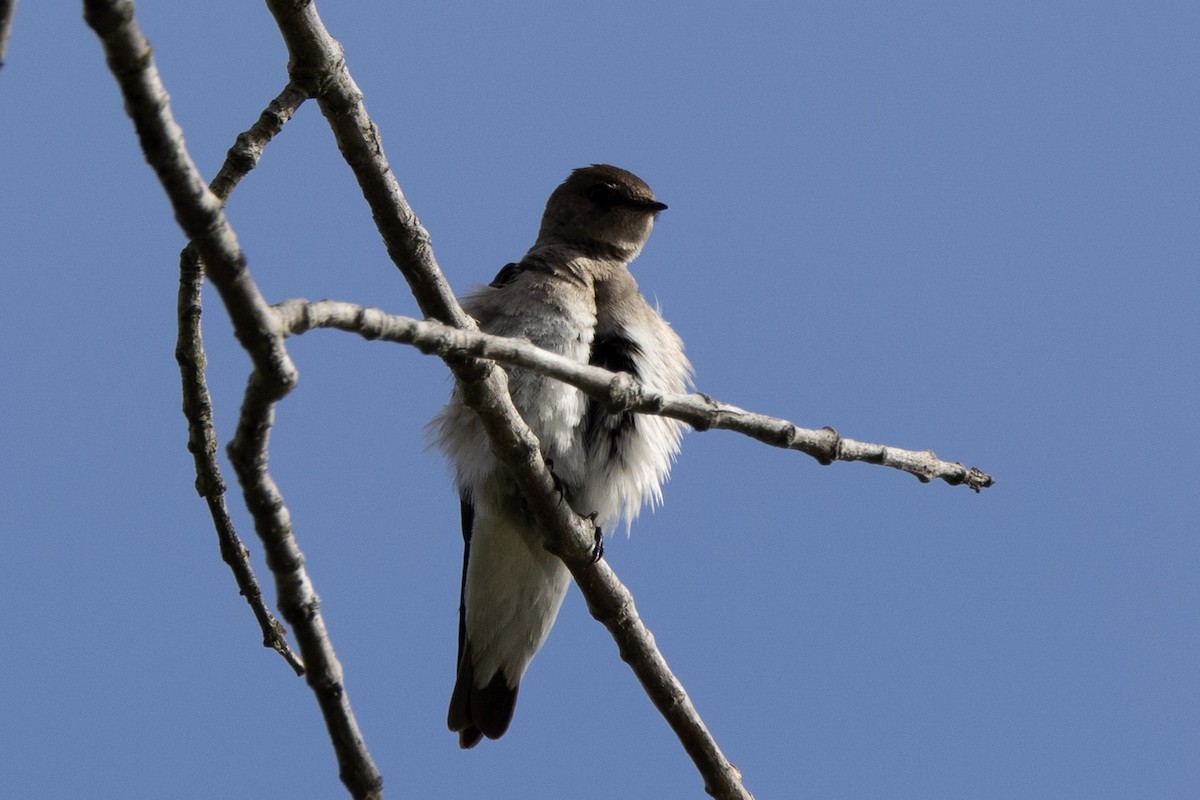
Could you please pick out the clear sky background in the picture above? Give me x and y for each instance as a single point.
(972, 227)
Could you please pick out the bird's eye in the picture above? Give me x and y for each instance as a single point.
(603, 195)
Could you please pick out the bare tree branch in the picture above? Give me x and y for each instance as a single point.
(8, 10)
(197, 403)
(318, 68)
(248, 147)
(197, 210)
(316, 63)
(202, 442)
(199, 213)
(618, 391)
(298, 601)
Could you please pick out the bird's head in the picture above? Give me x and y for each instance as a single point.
(603, 210)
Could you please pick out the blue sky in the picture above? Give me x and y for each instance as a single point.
(970, 227)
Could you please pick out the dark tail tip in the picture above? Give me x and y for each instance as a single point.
(477, 712)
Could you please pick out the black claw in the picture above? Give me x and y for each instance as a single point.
(598, 542)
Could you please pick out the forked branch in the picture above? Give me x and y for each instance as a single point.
(199, 213)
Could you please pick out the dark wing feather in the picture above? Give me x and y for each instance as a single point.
(468, 524)
(506, 275)
(616, 353)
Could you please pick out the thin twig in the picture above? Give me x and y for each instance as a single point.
(247, 148)
(618, 391)
(199, 213)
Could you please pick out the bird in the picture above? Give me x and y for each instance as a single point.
(572, 294)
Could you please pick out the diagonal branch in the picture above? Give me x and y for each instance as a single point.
(618, 390)
(199, 213)
(248, 147)
(298, 600)
(316, 63)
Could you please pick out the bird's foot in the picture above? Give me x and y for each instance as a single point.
(598, 542)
